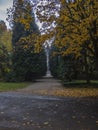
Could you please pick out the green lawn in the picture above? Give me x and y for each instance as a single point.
(4, 86)
(81, 83)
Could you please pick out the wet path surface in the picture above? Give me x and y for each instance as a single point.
(27, 112)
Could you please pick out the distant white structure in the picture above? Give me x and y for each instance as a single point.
(48, 73)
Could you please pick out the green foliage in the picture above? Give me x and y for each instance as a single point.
(5, 50)
(5, 39)
(53, 62)
(76, 39)
(68, 68)
(26, 64)
(4, 61)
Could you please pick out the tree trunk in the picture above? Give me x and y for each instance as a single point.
(86, 68)
(87, 73)
(96, 59)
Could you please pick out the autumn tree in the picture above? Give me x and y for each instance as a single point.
(77, 25)
(73, 25)
(5, 49)
(2, 26)
(27, 64)
(77, 30)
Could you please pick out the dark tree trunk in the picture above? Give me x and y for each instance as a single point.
(86, 68)
(96, 58)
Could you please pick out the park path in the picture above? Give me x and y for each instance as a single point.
(52, 87)
(26, 109)
(44, 86)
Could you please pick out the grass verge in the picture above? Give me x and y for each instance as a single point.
(81, 83)
(4, 86)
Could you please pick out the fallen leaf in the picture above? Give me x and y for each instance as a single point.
(28, 123)
(73, 117)
(46, 123)
(78, 122)
(96, 122)
(92, 117)
(14, 121)
(24, 118)
(24, 124)
(2, 112)
(56, 105)
(83, 117)
(39, 126)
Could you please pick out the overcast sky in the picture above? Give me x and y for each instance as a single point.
(4, 4)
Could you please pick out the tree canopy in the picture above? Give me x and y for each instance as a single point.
(76, 31)
(72, 26)
(27, 65)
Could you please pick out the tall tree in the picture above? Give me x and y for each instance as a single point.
(5, 49)
(2, 26)
(77, 31)
(78, 27)
(27, 64)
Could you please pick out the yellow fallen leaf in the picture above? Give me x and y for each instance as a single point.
(24, 124)
(46, 123)
(97, 122)
(39, 126)
(73, 117)
(28, 123)
(78, 121)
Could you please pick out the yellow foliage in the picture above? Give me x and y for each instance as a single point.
(77, 27)
(6, 39)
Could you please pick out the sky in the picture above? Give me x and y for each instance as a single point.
(4, 5)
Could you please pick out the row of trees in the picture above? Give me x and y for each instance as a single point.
(73, 28)
(73, 24)
(27, 65)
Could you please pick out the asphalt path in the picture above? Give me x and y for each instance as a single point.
(26, 111)
(31, 112)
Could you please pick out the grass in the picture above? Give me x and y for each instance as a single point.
(81, 83)
(5, 86)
